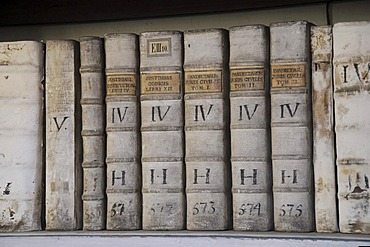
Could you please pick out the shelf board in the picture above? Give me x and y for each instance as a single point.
(181, 238)
(23, 12)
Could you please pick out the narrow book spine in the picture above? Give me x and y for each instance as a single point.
(207, 129)
(63, 136)
(123, 138)
(291, 127)
(93, 136)
(250, 128)
(352, 124)
(21, 135)
(162, 130)
(323, 130)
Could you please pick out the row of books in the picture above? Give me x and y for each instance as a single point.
(201, 130)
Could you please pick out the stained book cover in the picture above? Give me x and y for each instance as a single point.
(63, 136)
(21, 135)
(250, 128)
(291, 126)
(123, 125)
(323, 130)
(207, 129)
(93, 136)
(162, 130)
(352, 125)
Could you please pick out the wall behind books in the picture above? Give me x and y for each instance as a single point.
(319, 14)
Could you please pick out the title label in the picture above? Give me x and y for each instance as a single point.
(209, 81)
(247, 79)
(288, 76)
(121, 84)
(160, 83)
(159, 47)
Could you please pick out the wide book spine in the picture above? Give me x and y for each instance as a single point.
(21, 135)
(93, 136)
(162, 125)
(207, 129)
(323, 130)
(352, 124)
(291, 127)
(123, 138)
(250, 128)
(63, 136)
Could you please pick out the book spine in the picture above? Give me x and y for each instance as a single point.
(162, 130)
(123, 138)
(63, 129)
(93, 136)
(207, 129)
(291, 127)
(250, 128)
(352, 125)
(21, 135)
(323, 130)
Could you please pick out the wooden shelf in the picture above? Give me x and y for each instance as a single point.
(23, 12)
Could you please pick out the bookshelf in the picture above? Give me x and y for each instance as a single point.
(42, 20)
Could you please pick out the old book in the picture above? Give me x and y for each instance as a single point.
(162, 126)
(352, 124)
(250, 128)
(123, 138)
(93, 132)
(207, 129)
(63, 136)
(21, 135)
(323, 130)
(291, 127)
